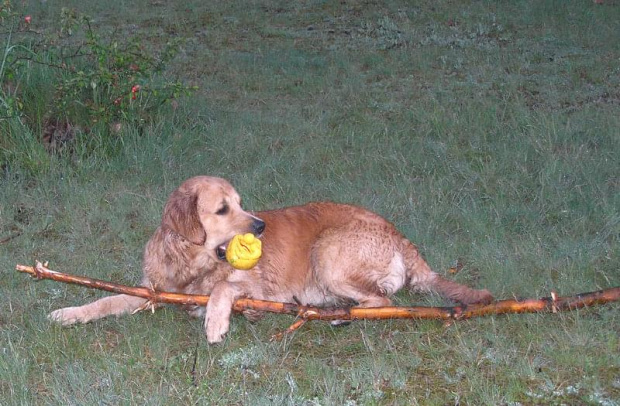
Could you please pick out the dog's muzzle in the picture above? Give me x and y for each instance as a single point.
(258, 226)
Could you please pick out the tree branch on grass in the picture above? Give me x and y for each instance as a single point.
(553, 304)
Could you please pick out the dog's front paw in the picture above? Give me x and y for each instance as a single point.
(216, 328)
(66, 316)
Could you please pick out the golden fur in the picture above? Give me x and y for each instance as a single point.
(319, 253)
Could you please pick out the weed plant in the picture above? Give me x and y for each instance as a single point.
(77, 87)
(488, 132)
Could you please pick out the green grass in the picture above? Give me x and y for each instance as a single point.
(488, 132)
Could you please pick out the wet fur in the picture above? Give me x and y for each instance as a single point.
(319, 253)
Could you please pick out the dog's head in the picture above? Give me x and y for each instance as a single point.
(207, 211)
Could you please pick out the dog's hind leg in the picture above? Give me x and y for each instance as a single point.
(344, 272)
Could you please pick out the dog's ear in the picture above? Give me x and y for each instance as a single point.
(181, 217)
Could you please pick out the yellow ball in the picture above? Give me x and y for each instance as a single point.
(244, 251)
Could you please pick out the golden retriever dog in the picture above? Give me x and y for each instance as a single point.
(317, 254)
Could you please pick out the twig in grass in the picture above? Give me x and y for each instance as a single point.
(194, 380)
(9, 238)
(307, 313)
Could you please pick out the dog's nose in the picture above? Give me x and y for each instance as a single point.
(258, 226)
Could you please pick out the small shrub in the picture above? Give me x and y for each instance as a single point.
(112, 80)
(69, 82)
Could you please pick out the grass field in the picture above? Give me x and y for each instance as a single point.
(487, 131)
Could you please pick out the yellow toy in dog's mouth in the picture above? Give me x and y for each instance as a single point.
(244, 251)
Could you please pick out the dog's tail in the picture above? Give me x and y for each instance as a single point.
(421, 277)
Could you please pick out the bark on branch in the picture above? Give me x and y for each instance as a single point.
(552, 304)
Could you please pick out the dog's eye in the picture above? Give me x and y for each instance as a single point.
(223, 210)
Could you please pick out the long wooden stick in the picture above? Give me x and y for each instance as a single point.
(553, 303)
